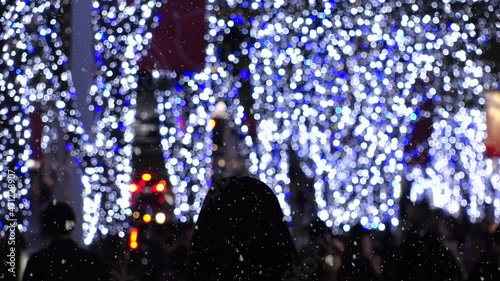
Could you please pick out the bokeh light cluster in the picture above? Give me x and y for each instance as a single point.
(184, 113)
(121, 32)
(228, 57)
(343, 83)
(38, 79)
(33, 52)
(459, 177)
(14, 110)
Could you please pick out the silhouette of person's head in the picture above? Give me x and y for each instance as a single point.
(241, 234)
(58, 219)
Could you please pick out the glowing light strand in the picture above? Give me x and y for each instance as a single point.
(48, 69)
(188, 155)
(46, 79)
(121, 34)
(222, 79)
(353, 90)
(15, 109)
(458, 167)
(229, 51)
(186, 140)
(346, 100)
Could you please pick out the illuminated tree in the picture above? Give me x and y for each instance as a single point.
(342, 83)
(33, 51)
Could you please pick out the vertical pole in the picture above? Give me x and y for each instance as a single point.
(82, 66)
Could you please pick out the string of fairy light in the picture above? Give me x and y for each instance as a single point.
(341, 84)
(121, 33)
(43, 79)
(229, 50)
(348, 123)
(41, 82)
(106, 160)
(186, 110)
(459, 177)
(458, 165)
(227, 54)
(14, 109)
(349, 72)
(184, 114)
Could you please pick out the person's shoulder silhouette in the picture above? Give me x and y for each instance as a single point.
(241, 234)
(63, 259)
(488, 268)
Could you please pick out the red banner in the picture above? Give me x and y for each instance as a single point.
(493, 124)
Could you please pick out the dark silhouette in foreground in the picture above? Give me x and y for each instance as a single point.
(439, 263)
(317, 255)
(409, 264)
(488, 268)
(357, 260)
(63, 259)
(241, 235)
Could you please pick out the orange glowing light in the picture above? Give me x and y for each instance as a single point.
(133, 239)
(211, 124)
(147, 218)
(133, 187)
(133, 234)
(146, 177)
(160, 187)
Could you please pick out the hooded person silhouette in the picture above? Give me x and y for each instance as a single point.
(63, 259)
(241, 234)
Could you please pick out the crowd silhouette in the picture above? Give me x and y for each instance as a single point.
(241, 234)
(63, 259)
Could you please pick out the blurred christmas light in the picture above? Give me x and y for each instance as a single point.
(33, 51)
(459, 176)
(121, 33)
(342, 84)
(43, 80)
(186, 112)
(339, 83)
(15, 109)
(186, 140)
(229, 54)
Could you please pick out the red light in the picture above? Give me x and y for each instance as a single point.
(146, 177)
(133, 238)
(161, 200)
(160, 187)
(134, 188)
